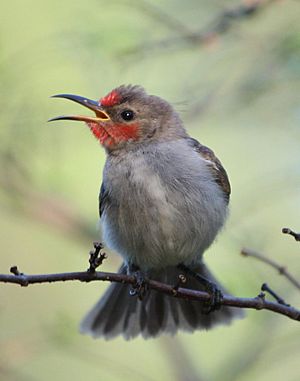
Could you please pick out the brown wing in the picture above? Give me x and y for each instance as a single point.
(103, 199)
(215, 165)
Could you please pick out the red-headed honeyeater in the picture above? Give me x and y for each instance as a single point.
(163, 199)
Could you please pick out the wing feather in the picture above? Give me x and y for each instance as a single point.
(103, 199)
(215, 166)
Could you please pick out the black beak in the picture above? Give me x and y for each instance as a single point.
(95, 106)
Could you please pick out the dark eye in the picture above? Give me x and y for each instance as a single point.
(127, 115)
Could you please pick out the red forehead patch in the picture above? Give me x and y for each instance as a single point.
(111, 99)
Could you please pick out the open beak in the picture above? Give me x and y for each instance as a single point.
(101, 115)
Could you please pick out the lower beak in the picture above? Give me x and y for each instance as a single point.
(95, 106)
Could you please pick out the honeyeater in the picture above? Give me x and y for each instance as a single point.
(163, 199)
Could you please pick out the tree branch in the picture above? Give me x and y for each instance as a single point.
(221, 25)
(258, 303)
(292, 233)
(281, 269)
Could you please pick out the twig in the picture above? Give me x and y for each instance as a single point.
(14, 270)
(220, 25)
(279, 300)
(257, 303)
(96, 257)
(157, 14)
(281, 269)
(292, 233)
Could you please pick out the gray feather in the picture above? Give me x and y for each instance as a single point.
(164, 205)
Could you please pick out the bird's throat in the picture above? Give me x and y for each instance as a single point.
(113, 135)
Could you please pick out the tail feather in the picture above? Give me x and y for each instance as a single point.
(131, 326)
(155, 315)
(119, 313)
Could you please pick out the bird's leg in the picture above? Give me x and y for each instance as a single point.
(216, 295)
(140, 288)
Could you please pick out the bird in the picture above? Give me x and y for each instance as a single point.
(163, 200)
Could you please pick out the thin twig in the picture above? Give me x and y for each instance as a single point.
(280, 268)
(292, 233)
(159, 15)
(257, 303)
(96, 257)
(185, 36)
(278, 298)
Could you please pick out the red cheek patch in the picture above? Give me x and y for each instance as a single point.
(122, 131)
(111, 99)
(114, 134)
(99, 132)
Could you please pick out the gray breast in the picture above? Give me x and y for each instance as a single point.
(165, 207)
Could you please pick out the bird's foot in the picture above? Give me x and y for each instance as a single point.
(216, 296)
(140, 288)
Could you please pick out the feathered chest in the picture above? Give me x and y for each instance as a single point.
(158, 202)
(166, 177)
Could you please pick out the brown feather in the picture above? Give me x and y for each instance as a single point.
(215, 166)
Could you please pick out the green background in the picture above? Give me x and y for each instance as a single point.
(237, 92)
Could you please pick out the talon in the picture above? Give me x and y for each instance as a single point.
(132, 291)
(214, 303)
(216, 298)
(140, 288)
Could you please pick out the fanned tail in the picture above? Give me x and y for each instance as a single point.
(118, 313)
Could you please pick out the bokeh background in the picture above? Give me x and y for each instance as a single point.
(232, 69)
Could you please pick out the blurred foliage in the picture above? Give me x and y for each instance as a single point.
(237, 91)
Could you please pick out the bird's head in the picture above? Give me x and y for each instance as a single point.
(127, 116)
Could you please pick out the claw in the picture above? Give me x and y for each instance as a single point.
(140, 288)
(216, 298)
(214, 303)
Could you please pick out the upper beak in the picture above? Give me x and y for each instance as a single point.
(101, 115)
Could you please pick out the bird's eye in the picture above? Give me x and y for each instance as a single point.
(127, 115)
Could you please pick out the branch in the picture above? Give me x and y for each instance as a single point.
(219, 26)
(258, 303)
(281, 269)
(292, 233)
